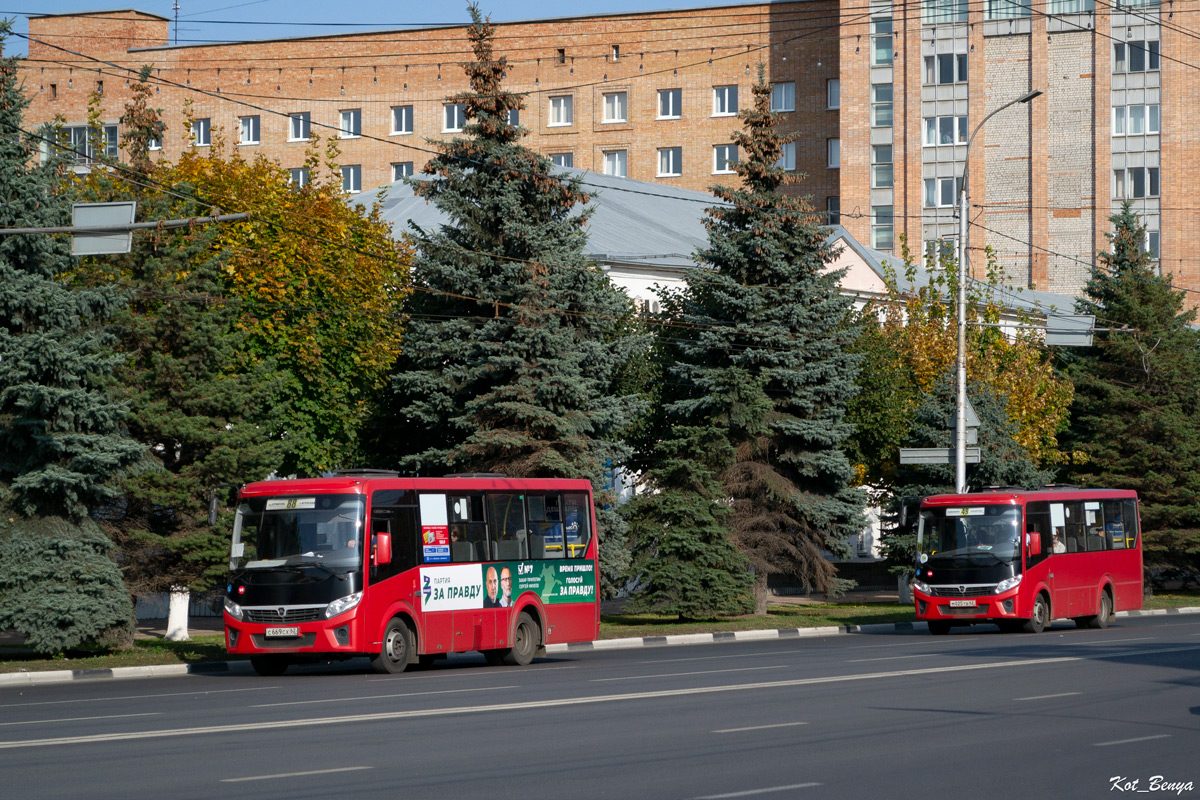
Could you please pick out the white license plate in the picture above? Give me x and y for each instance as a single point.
(291, 631)
(958, 604)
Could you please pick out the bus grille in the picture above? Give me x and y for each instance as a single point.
(966, 591)
(271, 616)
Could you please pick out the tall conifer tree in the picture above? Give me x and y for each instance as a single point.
(769, 360)
(511, 350)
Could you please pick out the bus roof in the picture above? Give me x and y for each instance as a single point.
(1018, 496)
(361, 484)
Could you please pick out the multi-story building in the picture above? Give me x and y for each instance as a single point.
(883, 98)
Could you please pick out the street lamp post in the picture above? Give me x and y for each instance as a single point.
(960, 400)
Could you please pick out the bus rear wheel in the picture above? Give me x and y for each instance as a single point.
(525, 642)
(1040, 616)
(1106, 607)
(269, 666)
(394, 652)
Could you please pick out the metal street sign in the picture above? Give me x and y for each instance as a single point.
(1069, 330)
(972, 417)
(103, 216)
(935, 455)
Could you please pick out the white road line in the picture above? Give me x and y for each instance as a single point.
(447, 675)
(761, 727)
(1113, 641)
(751, 792)
(715, 658)
(134, 697)
(79, 719)
(539, 705)
(894, 658)
(685, 674)
(382, 696)
(1046, 696)
(1129, 741)
(293, 774)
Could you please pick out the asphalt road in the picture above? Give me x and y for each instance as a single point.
(975, 714)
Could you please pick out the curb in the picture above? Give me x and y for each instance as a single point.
(240, 667)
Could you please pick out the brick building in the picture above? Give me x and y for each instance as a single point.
(883, 97)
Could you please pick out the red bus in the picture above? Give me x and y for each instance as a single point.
(1021, 559)
(408, 570)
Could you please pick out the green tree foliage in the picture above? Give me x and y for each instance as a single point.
(684, 561)
(761, 351)
(61, 435)
(512, 350)
(1136, 414)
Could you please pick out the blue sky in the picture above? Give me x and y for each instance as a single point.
(208, 21)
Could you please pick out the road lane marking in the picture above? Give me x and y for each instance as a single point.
(133, 697)
(752, 792)
(540, 704)
(79, 719)
(893, 658)
(760, 727)
(293, 774)
(1130, 741)
(1046, 696)
(1114, 641)
(686, 674)
(715, 658)
(382, 696)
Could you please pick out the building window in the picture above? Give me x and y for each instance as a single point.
(560, 55)
(202, 132)
(881, 42)
(401, 169)
(1152, 244)
(248, 130)
(942, 192)
(615, 106)
(725, 101)
(54, 91)
(615, 163)
(724, 157)
(1135, 120)
(881, 166)
(1135, 183)
(453, 117)
(946, 68)
(561, 111)
(670, 162)
(882, 231)
(833, 210)
(833, 153)
(562, 159)
(616, 52)
(352, 179)
(85, 142)
(514, 117)
(881, 105)
(1070, 6)
(945, 130)
(833, 93)
(670, 103)
(787, 158)
(943, 12)
(1139, 56)
(298, 177)
(783, 96)
(351, 124)
(155, 142)
(402, 119)
(299, 126)
(1006, 9)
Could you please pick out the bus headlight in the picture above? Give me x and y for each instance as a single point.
(233, 609)
(921, 586)
(1007, 583)
(342, 605)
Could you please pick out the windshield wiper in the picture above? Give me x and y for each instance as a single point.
(318, 565)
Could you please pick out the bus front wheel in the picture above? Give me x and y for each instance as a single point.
(394, 652)
(1040, 616)
(269, 666)
(939, 627)
(525, 642)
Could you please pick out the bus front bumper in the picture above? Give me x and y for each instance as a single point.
(339, 635)
(966, 609)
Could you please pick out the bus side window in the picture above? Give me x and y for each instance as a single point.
(545, 526)
(577, 524)
(467, 527)
(506, 526)
(1038, 524)
(395, 512)
(1114, 525)
(1129, 513)
(1075, 534)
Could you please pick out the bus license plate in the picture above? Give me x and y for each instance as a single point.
(289, 632)
(953, 604)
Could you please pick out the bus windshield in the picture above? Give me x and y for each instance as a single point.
(970, 535)
(324, 530)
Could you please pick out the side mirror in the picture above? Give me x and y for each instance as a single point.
(383, 549)
(1033, 543)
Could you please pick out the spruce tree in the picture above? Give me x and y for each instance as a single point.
(1136, 414)
(767, 358)
(511, 350)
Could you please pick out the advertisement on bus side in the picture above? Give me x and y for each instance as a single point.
(458, 587)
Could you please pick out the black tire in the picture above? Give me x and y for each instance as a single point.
(395, 650)
(1106, 609)
(1040, 617)
(525, 642)
(494, 658)
(269, 666)
(939, 627)
(1010, 625)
